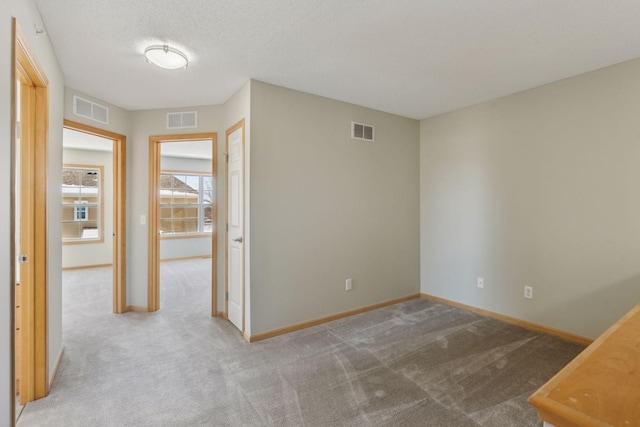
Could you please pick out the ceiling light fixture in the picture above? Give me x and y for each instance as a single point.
(166, 57)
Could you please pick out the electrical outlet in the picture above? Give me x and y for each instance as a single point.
(481, 282)
(348, 285)
(528, 292)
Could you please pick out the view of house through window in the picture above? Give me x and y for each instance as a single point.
(81, 203)
(186, 203)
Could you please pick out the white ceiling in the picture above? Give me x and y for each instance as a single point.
(416, 58)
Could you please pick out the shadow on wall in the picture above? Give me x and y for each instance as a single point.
(599, 308)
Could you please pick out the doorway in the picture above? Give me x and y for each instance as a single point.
(93, 156)
(182, 207)
(29, 224)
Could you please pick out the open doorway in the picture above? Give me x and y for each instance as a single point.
(182, 220)
(93, 205)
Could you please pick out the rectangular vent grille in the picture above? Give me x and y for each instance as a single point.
(90, 110)
(182, 120)
(361, 131)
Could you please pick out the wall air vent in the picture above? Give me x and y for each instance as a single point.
(361, 131)
(182, 120)
(90, 110)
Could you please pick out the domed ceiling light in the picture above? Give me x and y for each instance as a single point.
(166, 57)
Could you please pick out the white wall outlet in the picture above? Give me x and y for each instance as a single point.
(528, 292)
(143, 219)
(481, 282)
(348, 285)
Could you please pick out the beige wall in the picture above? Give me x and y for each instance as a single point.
(93, 253)
(325, 208)
(26, 13)
(539, 188)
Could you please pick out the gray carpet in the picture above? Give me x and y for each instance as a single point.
(414, 363)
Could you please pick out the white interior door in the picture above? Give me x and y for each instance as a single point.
(235, 235)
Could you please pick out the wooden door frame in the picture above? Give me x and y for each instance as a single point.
(232, 129)
(119, 210)
(153, 274)
(34, 381)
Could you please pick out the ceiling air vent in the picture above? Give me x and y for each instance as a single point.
(182, 120)
(90, 110)
(361, 131)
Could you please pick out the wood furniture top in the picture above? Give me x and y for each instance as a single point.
(601, 386)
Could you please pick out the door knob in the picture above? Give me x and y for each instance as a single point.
(239, 239)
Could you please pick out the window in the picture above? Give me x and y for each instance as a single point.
(80, 212)
(186, 203)
(82, 204)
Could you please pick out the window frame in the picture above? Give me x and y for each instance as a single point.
(193, 234)
(85, 206)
